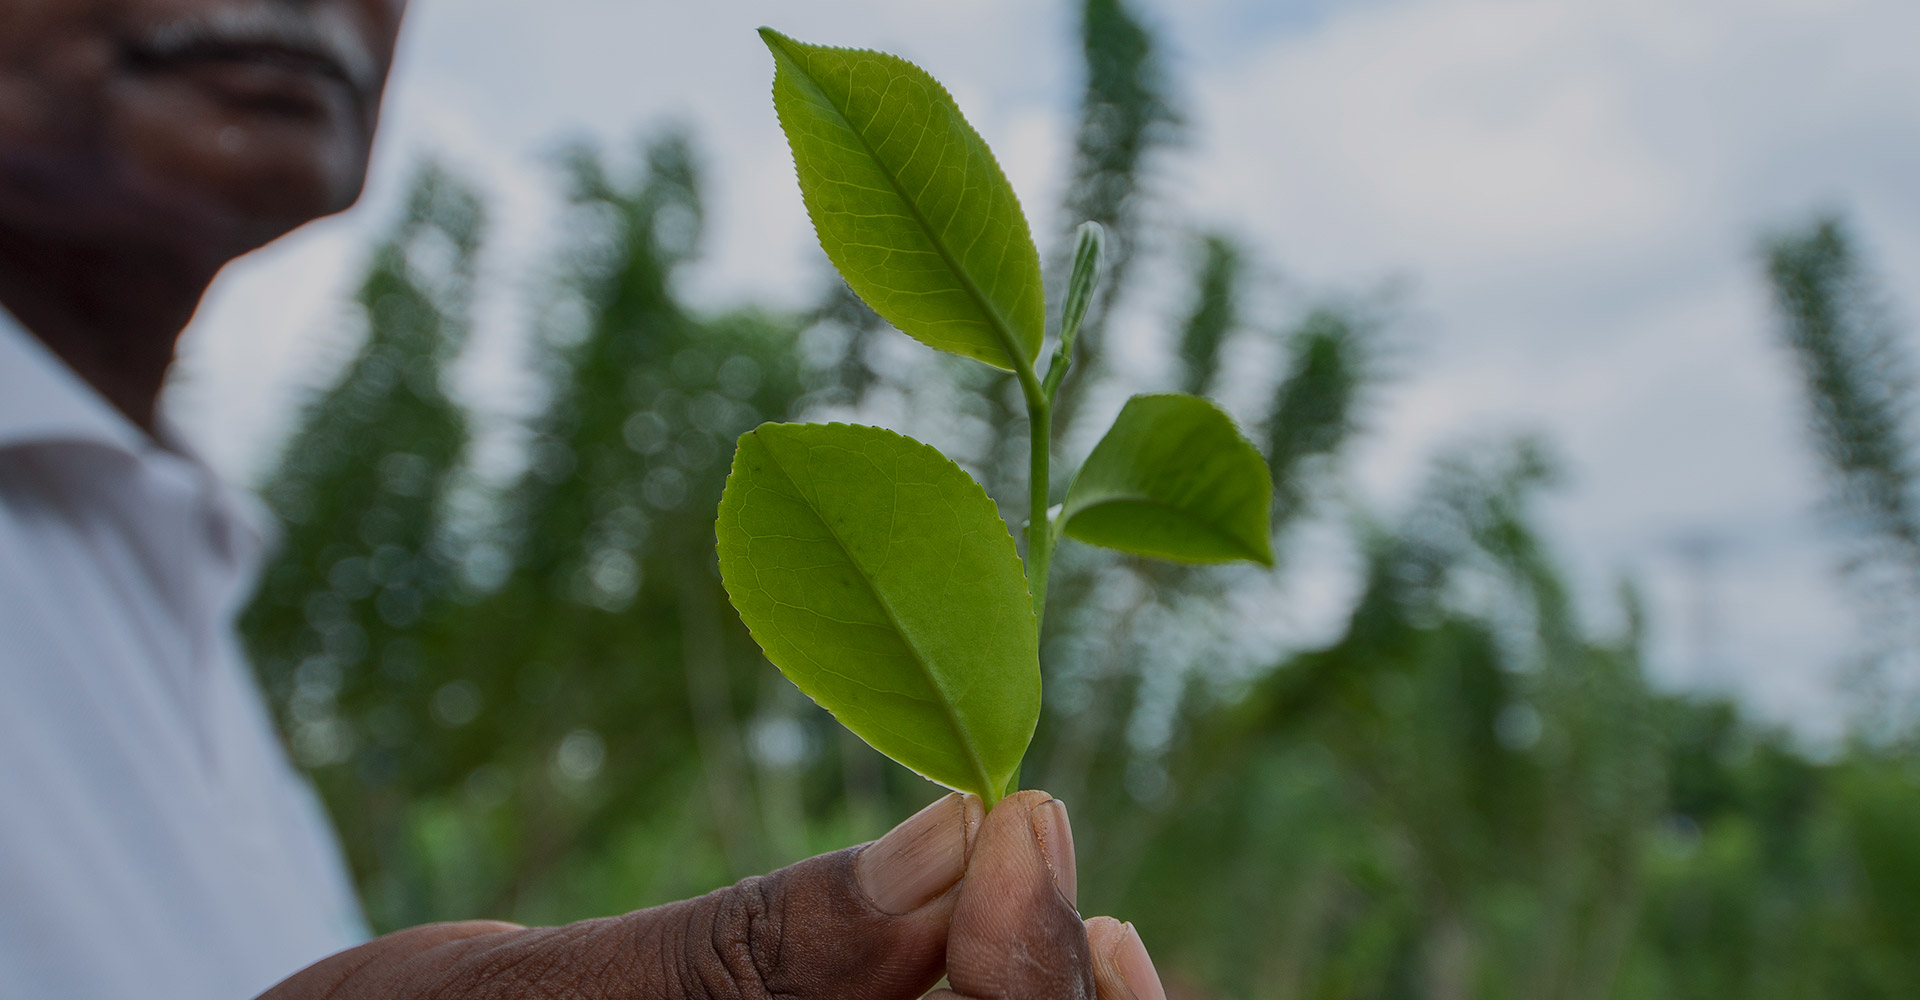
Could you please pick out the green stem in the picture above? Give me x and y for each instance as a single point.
(1039, 452)
(1088, 251)
(1040, 393)
(1039, 533)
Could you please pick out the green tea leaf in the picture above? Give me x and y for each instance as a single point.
(908, 202)
(878, 576)
(1173, 478)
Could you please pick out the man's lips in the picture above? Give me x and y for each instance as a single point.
(267, 75)
(260, 53)
(273, 55)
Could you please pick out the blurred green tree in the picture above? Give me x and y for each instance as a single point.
(1857, 378)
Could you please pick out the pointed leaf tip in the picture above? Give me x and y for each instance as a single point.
(908, 201)
(774, 40)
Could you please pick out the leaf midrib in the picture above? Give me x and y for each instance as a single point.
(1001, 329)
(945, 700)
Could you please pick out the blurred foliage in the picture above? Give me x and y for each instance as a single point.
(523, 694)
(1214, 315)
(1858, 380)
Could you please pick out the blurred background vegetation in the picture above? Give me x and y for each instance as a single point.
(529, 699)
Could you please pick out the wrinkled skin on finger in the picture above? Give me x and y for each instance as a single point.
(985, 901)
(811, 931)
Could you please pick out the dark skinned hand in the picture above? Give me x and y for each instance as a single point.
(988, 903)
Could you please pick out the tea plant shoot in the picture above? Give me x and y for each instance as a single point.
(872, 570)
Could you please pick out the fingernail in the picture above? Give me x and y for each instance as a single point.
(1136, 967)
(1050, 828)
(922, 857)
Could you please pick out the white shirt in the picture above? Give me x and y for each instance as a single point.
(154, 841)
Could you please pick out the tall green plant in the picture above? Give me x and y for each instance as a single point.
(364, 570)
(1857, 377)
(1317, 406)
(1215, 312)
(1859, 384)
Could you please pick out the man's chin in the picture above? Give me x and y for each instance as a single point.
(219, 218)
(237, 203)
(252, 173)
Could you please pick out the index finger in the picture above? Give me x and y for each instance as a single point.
(1122, 969)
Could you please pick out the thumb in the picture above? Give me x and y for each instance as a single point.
(866, 923)
(1015, 933)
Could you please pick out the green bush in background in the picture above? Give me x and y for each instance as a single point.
(529, 700)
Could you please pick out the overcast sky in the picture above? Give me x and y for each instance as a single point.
(1571, 192)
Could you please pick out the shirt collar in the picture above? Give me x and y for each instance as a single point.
(42, 401)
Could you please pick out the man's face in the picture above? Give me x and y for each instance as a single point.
(205, 126)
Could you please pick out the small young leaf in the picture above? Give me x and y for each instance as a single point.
(908, 202)
(878, 576)
(1089, 256)
(1175, 479)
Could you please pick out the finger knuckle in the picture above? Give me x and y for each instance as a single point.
(732, 950)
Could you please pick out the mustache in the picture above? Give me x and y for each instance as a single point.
(323, 33)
